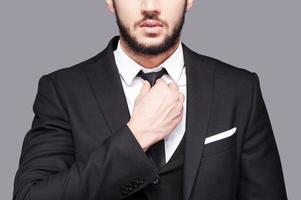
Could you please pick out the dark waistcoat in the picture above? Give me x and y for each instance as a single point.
(170, 183)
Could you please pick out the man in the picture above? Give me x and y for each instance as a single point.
(147, 118)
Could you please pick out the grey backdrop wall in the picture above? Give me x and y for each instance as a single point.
(38, 37)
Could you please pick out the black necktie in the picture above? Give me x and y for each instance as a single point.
(151, 77)
(157, 151)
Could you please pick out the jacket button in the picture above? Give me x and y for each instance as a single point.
(130, 187)
(124, 191)
(156, 181)
(135, 183)
(140, 181)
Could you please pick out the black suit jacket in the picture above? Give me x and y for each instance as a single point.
(79, 146)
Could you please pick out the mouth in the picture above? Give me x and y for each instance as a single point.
(151, 23)
(152, 26)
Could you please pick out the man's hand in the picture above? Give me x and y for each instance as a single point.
(157, 111)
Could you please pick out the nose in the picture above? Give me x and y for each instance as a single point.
(150, 7)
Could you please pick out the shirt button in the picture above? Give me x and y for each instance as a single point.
(156, 181)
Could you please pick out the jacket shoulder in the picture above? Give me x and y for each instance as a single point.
(231, 79)
(223, 69)
(75, 71)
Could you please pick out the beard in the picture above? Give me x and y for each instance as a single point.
(168, 42)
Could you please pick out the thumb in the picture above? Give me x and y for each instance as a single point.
(145, 89)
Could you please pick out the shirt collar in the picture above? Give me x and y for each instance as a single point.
(128, 68)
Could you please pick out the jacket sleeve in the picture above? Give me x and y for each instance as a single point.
(261, 175)
(48, 169)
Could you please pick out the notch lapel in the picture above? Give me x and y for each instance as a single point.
(104, 79)
(199, 100)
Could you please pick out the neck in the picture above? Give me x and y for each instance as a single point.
(148, 61)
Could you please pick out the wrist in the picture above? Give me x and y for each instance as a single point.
(142, 138)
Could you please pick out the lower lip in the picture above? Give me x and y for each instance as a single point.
(152, 30)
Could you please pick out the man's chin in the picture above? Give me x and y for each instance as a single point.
(150, 45)
(145, 45)
(146, 49)
(150, 41)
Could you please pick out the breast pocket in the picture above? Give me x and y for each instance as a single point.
(220, 142)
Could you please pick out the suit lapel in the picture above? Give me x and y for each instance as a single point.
(199, 98)
(104, 79)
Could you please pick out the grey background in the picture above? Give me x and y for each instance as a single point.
(38, 37)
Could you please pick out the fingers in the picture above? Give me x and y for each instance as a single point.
(175, 89)
(180, 102)
(181, 97)
(160, 80)
(173, 86)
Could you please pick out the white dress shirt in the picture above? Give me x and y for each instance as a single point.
(174, 65)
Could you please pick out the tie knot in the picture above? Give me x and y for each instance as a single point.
(151, 77)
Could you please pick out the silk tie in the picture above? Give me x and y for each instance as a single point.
(157, 151)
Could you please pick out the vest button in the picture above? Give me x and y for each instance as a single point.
(156, 181)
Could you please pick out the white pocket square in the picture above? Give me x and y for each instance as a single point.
(220, 136)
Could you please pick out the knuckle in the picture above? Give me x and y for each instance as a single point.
(180, 108)
(181, 97)
(175, 95)
(173, 86)
(161, 80)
